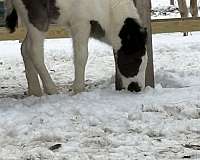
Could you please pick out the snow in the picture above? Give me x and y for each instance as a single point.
(101, 123)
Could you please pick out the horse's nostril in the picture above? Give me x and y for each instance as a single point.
(134, 87)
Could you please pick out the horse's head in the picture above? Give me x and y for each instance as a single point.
(131, 57)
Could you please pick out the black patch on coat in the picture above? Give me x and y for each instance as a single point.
(11, 21)
(133, 41)
(134, 87)
(41, 13)
(97, 31)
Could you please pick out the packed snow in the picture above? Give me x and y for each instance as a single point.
(101, 123)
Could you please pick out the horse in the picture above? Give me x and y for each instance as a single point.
(115, 22)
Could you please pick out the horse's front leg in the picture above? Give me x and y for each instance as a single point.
(80, 35)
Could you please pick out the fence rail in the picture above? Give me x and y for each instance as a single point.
(19, 34)
(158, 26)
(175, 25)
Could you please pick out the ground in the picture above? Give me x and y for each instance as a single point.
(101, 123)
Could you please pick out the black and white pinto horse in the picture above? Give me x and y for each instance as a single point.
(115, 22)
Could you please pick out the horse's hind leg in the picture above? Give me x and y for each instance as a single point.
(36, 53)
(31, 73)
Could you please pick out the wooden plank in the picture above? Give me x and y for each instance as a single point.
(5, 35)
(176, 25)
(144, 9)
(54, 32)
(57, 32)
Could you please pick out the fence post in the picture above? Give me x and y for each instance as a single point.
(183, 8)
(193, 8)
(144, 9)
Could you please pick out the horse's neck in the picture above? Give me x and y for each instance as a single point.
(121, 9)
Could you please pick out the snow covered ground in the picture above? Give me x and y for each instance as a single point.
(103, 124)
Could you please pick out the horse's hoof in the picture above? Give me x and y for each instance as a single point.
(51, 91)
